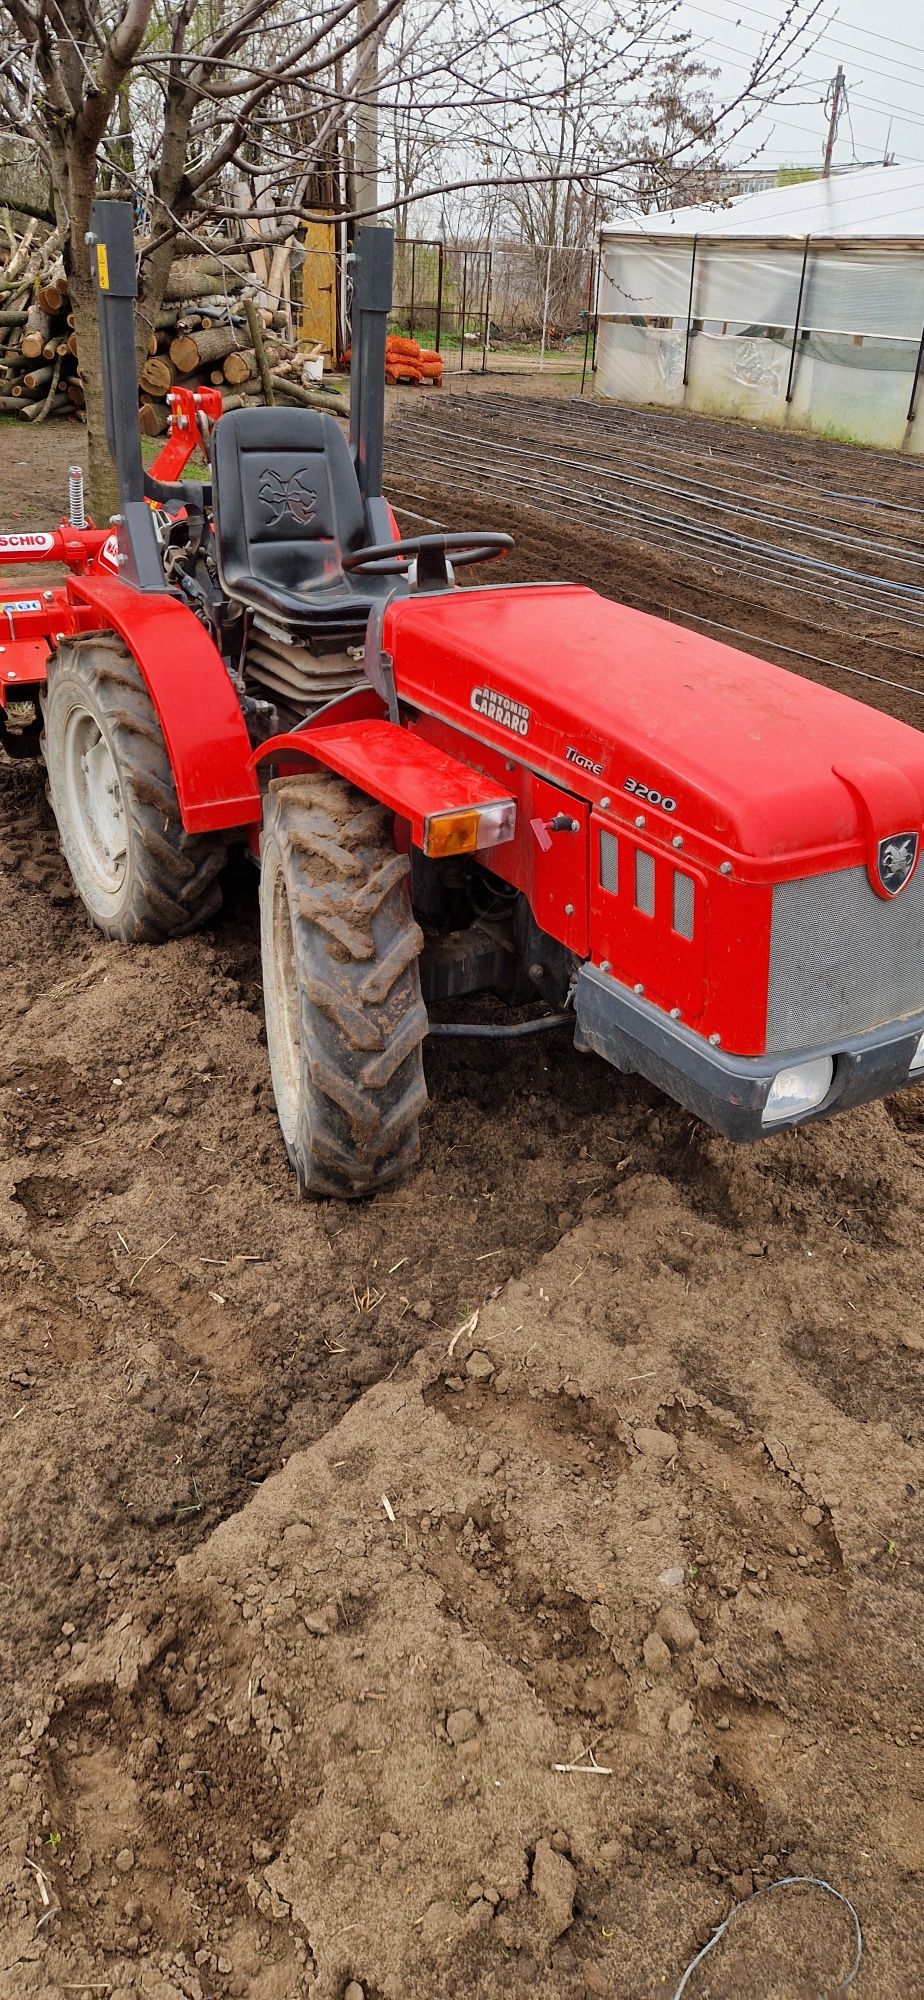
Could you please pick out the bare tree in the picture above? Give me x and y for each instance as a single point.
(555, 101)
(199, 110)
(160, 101)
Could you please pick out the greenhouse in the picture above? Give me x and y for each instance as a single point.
(801, 307)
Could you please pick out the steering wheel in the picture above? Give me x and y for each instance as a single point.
(431, 553)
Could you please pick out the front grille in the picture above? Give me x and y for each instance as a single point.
(644, 882)
(842, 960)
(683, 905)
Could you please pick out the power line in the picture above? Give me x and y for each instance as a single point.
(843, 41)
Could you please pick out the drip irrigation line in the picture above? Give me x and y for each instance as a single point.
(615, 424)
(858, 590)
(666, 420)
(858, 501)
(776, 645)
(605, 419)
(785, 1882)
(518, 451)
(765, 573)
(857, 582)
(758, 638)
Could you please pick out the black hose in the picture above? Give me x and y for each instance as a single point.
(453, 1030)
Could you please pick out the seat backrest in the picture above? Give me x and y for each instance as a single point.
(287, 500)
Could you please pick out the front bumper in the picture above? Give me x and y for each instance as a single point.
(729, 1092)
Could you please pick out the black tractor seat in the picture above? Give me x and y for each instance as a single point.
(287, 509)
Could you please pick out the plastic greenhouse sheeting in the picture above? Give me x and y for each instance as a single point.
(869, 204)
(850, 387)
(877, 292)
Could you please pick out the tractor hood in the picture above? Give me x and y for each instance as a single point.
(637, 715)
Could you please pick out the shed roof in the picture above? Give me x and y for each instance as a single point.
(877, 204)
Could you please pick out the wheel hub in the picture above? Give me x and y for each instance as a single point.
(96, 799)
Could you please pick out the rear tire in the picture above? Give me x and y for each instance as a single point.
(345, 1021)
(140, 876)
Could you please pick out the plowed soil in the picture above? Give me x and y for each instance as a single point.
(474, 1592)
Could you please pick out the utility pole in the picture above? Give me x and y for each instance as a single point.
(836, 92)
(366, 155)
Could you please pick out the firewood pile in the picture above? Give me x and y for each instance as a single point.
(209, 333)
(39, 373)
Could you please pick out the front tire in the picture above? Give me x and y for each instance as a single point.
(140, 876)
(345, 1021)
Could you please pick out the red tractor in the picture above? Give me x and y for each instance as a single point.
(707, 865)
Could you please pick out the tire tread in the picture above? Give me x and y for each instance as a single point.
(175, 886)
(361, 1016)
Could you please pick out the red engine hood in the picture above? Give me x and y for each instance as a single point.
(767, 764)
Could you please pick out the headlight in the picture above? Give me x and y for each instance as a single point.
(799, 1089)
(917, 1060)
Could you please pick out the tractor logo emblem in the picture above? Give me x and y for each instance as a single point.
(896, 860)
(500, 708)
(295, 496)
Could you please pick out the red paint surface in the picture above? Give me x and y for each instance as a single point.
(196, 704)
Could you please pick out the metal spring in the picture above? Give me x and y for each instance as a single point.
(76, 511)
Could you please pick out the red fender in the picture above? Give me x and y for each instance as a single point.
(197, 708)
(414, 778)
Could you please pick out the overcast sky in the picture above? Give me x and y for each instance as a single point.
(881, 46)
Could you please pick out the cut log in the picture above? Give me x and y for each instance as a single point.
(56, 408)
(37, 330)
(309, 399)
(52, 292)
(209, 313)
(201, 278)
(50, 349)
(51, 395)
(157, 375)
(153, 419)
(75, 393)
(72, 344)
(13, 318)
(190, 351)
(239, 365)
(37, 378)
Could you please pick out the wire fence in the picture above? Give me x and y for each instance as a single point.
(492, 307)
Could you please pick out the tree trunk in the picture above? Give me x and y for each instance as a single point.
(75, 186)
(259, 348)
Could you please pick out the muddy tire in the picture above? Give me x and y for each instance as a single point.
(139, 875)
(345, 1021)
